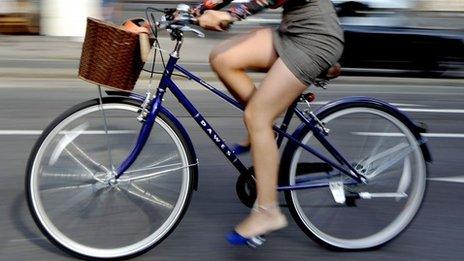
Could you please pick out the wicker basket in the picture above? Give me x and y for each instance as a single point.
(110, 56)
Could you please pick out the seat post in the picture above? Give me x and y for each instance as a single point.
(286, 121)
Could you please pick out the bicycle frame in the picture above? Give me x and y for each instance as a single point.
(166, 82)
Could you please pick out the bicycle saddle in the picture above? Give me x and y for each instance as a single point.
(331, 73)
(323, 79)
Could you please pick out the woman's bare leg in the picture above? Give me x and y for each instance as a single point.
(276, 93)
(231, 58)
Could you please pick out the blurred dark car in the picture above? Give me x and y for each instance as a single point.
(383, 37)
(400, 42)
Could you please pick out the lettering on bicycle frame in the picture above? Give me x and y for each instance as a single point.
(212, 134)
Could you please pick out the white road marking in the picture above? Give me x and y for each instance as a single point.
(26, 239)
(433, 110)
(38, 132)
(456, 179)
(20, 132)
(397, 134)
(394, 104)
(443, 135)
(407, 105)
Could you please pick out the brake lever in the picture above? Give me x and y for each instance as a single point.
(196, 31)
(186, 28)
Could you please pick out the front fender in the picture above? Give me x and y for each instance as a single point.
(416, 129)
(132, 95)
(174, 120)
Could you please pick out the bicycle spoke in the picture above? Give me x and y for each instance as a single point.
(73, 201)
(90, 159)
(154, 175)
(145, 195)
(171, 157)
(67, 187)
(68, 138)
(154, 166)
(385, 153)
(91, 173)
(390, 162)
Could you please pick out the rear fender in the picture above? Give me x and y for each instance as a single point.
(416, 128)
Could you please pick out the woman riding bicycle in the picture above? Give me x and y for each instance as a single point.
(308, 42)
(347, 186)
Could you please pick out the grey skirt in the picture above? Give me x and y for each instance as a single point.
(309, 39)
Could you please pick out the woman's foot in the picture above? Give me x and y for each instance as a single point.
(261, 221)
(240, 148)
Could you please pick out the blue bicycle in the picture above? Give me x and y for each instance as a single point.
(112, 177)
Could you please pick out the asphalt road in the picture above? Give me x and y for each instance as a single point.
(28, 105)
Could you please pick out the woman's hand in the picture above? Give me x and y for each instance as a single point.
(215, 20)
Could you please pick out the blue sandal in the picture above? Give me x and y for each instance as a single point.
(236, 239)
(240, 149)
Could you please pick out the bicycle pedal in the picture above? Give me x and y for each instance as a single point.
(236, 239)
(255, 242)
(338, 192)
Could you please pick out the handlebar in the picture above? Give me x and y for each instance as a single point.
(177, 20)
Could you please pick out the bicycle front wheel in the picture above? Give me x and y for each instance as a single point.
(343, 214)
(80, 208)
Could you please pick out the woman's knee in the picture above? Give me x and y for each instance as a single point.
(218, 59)
(240, 53)
(249, 117)
(255, 119)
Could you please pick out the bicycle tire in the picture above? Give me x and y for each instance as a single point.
(285, 177)
(166, 118)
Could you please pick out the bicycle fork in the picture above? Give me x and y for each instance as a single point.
(148, 114)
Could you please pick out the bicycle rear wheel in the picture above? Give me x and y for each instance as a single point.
(383, 149)
(76, 204)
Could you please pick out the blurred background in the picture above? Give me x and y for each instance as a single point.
(407, 52)
(402, 37)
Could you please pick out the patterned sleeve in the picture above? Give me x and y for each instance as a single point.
(241, 10)
(211, 5)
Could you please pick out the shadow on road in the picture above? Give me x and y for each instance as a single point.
(23, 223)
